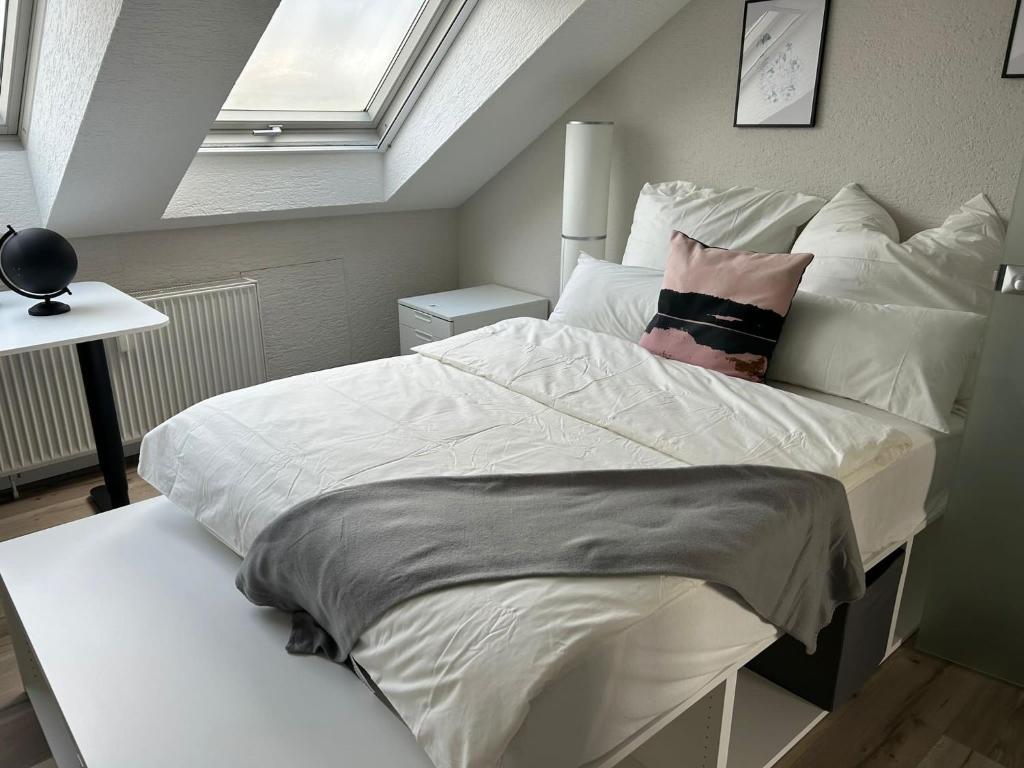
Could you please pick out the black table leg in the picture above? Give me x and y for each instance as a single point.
(92, 359)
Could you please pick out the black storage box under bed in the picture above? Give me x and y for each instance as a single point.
(849, 649)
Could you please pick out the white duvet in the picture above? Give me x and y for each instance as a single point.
(462, 666)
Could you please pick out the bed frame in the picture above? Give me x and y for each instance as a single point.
(741, 720)
(136, 649)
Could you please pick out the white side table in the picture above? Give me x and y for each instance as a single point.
(436, 316)
(98, 311)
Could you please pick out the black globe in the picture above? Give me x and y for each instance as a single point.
(38, 263)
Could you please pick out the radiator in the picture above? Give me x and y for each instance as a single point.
(213, 344)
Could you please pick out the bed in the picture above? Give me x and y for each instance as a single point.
(597, 671)
(538, 671)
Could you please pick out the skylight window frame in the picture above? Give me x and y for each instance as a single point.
(436, 26)
(17, 33)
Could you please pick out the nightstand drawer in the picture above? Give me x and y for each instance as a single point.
(413, 337)
(437, 327)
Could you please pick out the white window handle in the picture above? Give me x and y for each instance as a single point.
(270, 130)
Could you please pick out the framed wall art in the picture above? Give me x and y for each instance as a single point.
(780, 63)
(1014, 66)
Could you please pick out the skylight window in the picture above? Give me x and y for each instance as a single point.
(324, 55)
(17, 19)
(337, 71)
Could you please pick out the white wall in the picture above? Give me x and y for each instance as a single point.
(912, 106)
(17, 196)
(72, 44)
(328, 287)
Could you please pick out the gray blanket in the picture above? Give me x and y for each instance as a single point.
(779, 538)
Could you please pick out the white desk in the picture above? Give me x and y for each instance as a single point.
(98, 311)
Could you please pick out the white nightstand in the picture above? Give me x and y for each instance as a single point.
(440, 315)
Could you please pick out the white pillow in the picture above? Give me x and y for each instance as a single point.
(609, 298)
(857, 255)
(739, 218)
(905, 360)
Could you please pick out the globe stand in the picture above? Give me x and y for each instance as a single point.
(47, 308)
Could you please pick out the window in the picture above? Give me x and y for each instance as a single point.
(337, 72)
(302, 63)
(17, 19)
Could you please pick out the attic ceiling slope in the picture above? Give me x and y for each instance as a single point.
(515, 68)
(501, 33)
(225, 185)
(139, 111)
(600, 35)
(71, 50)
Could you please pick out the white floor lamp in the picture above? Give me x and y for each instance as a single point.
(588, 170)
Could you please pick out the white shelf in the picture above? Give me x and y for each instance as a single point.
(767, 722)
(914, 587)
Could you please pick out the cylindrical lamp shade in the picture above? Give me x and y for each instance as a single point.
(588, 170)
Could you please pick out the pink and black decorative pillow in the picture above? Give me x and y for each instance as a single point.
(721, 309)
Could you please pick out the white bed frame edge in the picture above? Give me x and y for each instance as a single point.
(741, 720)
(137, 650)
(736, 720)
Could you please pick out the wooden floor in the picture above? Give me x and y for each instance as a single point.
(917, 711)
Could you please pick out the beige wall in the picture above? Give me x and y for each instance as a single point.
(328, 287)
(912, 106)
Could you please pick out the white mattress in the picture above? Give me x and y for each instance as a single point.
(469, 668)
(633, 677)
(897, 500)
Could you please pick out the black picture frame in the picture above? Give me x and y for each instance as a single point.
(1009, 46)
(819, 64)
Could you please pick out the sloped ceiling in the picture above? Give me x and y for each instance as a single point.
(126, 91)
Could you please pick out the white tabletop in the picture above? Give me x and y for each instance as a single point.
(157, 660)
(467, 301)
(98, 311)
